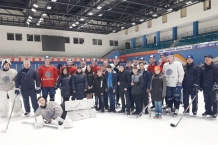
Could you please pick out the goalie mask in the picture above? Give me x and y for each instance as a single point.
(4, 61)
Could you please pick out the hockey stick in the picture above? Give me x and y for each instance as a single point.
(4, 131)
(173, 125)
(44, 125)
(143, 110)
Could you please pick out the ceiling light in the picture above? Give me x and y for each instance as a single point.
(35, 5)
(53, 0)
(34, 10)
(41, 19)
(170, 10)
(77, 23)
(30, 17)
(124, 0)
(90, 13)
(48, 7)
(189, 2)
(44, 14)
(29, 20)
(74, 25)
(109, 9)
(100, 15)
(81, 19)
(154, 15)
(142, 20)
(28, 23)
(99, 7)
(38, 24)
(133, 23)
(70, 27)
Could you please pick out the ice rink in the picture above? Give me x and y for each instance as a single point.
(113, 129)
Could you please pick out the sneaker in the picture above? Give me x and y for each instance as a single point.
(176, 113)
(135, 113)
(205, 114)
(26, 114)
(160, 116)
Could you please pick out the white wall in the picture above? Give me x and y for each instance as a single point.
(26, 48)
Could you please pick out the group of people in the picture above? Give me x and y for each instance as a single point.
(134, 83)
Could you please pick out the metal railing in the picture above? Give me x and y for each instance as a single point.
(208, 30)
(166, 38)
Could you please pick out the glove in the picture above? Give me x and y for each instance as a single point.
(38, 90)
(196, 87)
(179, 86)
(17, 91)
(215, 87)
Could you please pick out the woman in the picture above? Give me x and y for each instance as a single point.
(64, 84)
(90, 79)
(50, 111)
(79, 85)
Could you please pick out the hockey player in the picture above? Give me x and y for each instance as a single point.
(163, 57)
(26, 80)
(70, 68)
(209, 85)
(83, 64)
(94, 66)
(174, 74)
(7, 96)
(191, 83)
(48, 77)
(135, 62)
(124, 80)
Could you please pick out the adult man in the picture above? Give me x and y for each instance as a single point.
(83, 64)
(163, 57)
(209, 85)
(124, 79)
(94, 66)
(26, 80)
(70, 68)
(174, 73)
(129, 65)
(105, 63)
(7, 96)
(190, 81)
(48, 77)
(135, 62)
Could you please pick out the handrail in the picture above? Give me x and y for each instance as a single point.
(166, 38)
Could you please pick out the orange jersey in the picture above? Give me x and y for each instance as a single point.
(48, 76)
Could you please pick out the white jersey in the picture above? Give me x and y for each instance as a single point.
(113, 66)
(174, 73)
(7, 79)
(83, 69)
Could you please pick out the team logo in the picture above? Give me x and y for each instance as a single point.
(48, 74)
(5, 79)
(169, 72)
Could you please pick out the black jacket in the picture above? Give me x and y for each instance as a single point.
(99, 85)
(26, 79)
(209, 75)
(125, 79)
(192, 75)
(138, 81)
(64, 84)
(147, 80)
(114, 80)
(79, 84)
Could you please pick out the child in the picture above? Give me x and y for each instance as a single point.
(158, 90)
(99, 88)
(136, 90)
(64, 84)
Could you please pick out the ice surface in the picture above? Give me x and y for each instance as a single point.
(114, 129)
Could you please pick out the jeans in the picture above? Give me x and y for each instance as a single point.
(111, 96)
(158, 106)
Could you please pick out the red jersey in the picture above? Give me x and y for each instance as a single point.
(162, 64)
(95, 69)
(151, 67)
(71, 69)
(48, 76)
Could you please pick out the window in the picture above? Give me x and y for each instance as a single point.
(149, 24)
(115, 43)
(18, 37)
(183, 12)
(164, 18)
(94, 41)
(111, 43)
(67, 39)
(10, 36)
(99, 42)
(81, 40)
(37, 38)
(29, 37)
(75, 41)
(207, 5)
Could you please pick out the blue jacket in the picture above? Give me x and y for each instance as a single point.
(114, 80)
(26, 79)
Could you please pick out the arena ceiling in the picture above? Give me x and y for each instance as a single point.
(91, 16)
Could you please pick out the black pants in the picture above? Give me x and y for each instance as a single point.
(105, 100)
(131, 99)
(210, 101)
(188, 91)
(76, 98)
(125, 96)
(32, 94)
(117, 95)
(145, 100)
(65, 99)
(138, 102)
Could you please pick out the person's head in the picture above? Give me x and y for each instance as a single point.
(141, 65)
(83, 62)
(103, 68)
(135, 70)
(163, 57)
(129, 63)
(121, 67)
(157, 69)
(136, 61)
(152, 59)
(94, 61)
(116, 60)
(142, 60)
(69, 62)
(79, 69)
(208, 59)
(109, 68)
(64, 70)
(41, 101)
(6, 64)
(99, 73)
(88, 67)
(47, 60)
(190, 59)
(170, 57)
(26, 64)
(105, 62)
